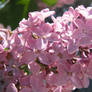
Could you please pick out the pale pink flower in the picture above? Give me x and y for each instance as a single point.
(38, 83)
(26, 89)
(11, 88)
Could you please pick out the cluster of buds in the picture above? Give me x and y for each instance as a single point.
(39, 56)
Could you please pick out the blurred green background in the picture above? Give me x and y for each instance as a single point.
(15, 10)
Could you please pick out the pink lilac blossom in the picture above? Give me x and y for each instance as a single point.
(47, 57)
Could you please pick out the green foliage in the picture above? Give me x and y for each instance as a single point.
(26, 6)
(15, 10)
(2, 1)
(6, 49)
(50, 2)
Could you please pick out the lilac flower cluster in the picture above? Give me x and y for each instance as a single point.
(47, 57)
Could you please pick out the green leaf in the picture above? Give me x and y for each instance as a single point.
(26, 5)
(5, 49)
(24, 2)
(2, 1)
(50, 2)
(27, 71)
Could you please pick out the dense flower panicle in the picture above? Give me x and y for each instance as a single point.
(47, 57)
